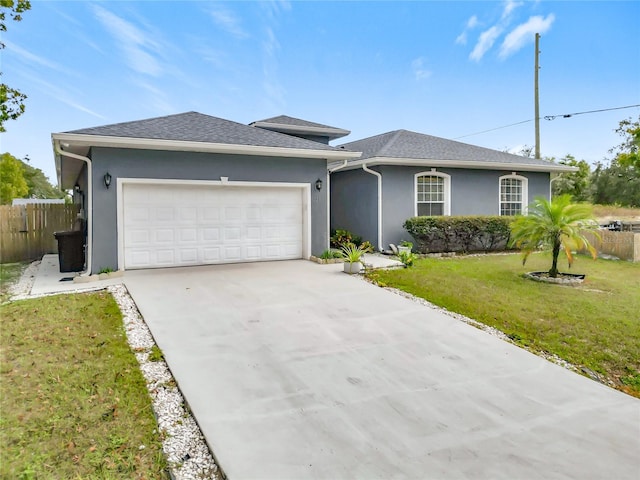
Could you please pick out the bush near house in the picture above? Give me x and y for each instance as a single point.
(343, 238)
(459, 234)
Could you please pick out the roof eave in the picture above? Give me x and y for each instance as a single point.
(476, 165)
(330, 132)
(80, 140)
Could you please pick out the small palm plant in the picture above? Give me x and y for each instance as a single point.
(557, 224)
(352, 253)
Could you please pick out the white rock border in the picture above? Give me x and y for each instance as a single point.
(188, 455)
(183, 443)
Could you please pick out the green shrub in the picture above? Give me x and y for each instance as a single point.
(366, 247)
(331, 253)
(459, 234)
(342, 238)
(407, 258)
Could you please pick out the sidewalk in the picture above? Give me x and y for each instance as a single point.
(49, 279)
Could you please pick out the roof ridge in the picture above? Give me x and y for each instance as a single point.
(391, 142)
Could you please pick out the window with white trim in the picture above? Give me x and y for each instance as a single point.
(432, 194)
(513, 194)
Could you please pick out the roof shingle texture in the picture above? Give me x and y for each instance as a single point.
(286, 120)
(197, 127)
(412, 145)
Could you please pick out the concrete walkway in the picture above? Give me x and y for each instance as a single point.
(49, 279)
(297, 371)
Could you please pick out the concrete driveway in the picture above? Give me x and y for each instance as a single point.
(295, 370)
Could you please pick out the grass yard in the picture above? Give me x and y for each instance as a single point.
(74, 403)
(612, 212)
(595, 325)
(9, 274)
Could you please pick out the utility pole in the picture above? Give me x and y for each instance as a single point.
(536, 99)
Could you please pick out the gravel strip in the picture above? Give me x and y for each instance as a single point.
(187, 453)
(183, 444)
(22, 287)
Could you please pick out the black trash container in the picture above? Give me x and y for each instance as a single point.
(70, 250)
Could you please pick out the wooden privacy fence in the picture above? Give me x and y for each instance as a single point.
(624, 245)
(26, 231)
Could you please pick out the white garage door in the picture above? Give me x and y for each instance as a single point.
(176, 225)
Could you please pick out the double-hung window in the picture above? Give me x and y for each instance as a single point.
(513, 194)
(432, 194)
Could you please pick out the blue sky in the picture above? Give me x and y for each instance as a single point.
(448, 69)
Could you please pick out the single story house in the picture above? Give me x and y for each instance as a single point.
(193, 189)
(402, 174)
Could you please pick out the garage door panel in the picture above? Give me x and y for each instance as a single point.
(163, 214)
(233, 253)
(138, 237)
(165, 257)
(173, 225)
(211, 234)
(211, 255)
(138, 258)
(254, 233)
(188, 235)
(233, 214)
(187, 214)
(253, 252)
(162, 235)
(209, 214)
(187, 256)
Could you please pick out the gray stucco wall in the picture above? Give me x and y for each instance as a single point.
(473, 192)
(354, 200)
(129, 163)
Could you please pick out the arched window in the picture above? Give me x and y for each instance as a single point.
(433, 194)
(513, 194)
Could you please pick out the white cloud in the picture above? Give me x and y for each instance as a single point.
(525, 33)
(228, 21)
(510, 6)
(485, 42)
(274, 8)
(274, 90)
(139, 48)
(419, 69)
(61, 94)
(471, 23)
(30, 58)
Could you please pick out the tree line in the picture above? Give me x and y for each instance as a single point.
(611, 182)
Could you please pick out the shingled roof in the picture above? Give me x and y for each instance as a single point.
(404, 144)
(197, 127)
(297, 126)
(286, 120)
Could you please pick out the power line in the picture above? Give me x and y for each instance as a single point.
(547, 117)
(492, 129)
(568, 115)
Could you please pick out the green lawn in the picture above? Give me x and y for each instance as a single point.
(74, 403)
(9, 274)
(595, 325)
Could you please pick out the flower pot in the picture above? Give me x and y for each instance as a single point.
(404, 249)
(354, 267)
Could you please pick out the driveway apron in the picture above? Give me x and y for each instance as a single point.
(295, 370)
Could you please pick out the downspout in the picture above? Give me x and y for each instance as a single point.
(58, 149)
(329, 172)
(551, 180)
(379, 175)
